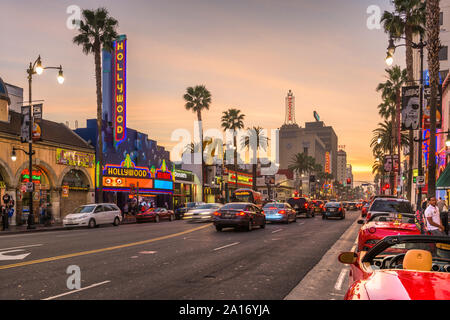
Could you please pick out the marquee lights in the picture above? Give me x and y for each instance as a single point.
(120, 77)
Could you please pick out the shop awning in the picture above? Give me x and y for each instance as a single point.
(444, 179)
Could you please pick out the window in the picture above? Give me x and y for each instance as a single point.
(443, 53)
(441, 18)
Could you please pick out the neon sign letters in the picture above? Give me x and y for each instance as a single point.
(120, 76)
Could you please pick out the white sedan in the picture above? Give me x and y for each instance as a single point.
(202, 213)
(93, 215)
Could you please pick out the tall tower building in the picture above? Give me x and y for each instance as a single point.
(341, 166)
(290, 109)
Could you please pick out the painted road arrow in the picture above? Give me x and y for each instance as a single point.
(16, 257)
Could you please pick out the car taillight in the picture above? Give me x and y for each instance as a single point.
(282, 212)
(262, 212)
(306, 205)
(242, 213)
(372, 230)
(340, 209)
(216, 214)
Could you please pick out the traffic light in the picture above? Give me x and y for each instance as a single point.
(349, 181)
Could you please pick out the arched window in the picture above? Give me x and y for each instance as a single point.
(76, 180)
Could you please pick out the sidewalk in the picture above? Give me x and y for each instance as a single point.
(54, 227)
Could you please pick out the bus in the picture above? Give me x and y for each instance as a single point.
(247, 195)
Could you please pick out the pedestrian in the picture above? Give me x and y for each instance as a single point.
(125, 210)
(42, 213)
(4, 213)
(441, 204)
(424, 204)
(433, 219)
(48, 215)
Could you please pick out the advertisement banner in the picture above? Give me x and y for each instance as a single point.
(410, 107)
(391, 163)
(37, 117)
(74, 158)
(427, 107)
(24, 128)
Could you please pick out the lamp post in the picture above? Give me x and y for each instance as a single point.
(389, 60)
(34, 68)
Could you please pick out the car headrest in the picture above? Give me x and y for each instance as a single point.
(419, 260)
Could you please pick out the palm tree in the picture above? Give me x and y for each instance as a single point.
(408, 19)
(198, 99)
(256, 136)
(433, 47)
(97, 31)
(233, 119)
(390, 93)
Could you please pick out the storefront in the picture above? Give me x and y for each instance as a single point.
(183, 189)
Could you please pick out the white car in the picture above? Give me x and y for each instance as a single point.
(93, 215)
(202, 213)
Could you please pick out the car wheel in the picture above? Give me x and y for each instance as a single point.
(250, 225)
(156, 218)
(92, 223)
(219, 228)
(116, 222)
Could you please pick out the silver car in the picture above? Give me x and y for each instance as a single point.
(202, 213)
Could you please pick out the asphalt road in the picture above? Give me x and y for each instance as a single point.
(169, 260)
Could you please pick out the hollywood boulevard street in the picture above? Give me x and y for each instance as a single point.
(179, 261)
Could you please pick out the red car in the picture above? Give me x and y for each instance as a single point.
(381, 225)
(155, 215)
(400, 268)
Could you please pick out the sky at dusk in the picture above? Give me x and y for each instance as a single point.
(248, 54)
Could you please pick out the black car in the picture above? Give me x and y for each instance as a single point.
(351, 206)
(239, 215)
(334, 210)
(301, 206)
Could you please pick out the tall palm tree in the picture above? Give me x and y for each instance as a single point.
(233, 119)
(433, 47)
(97, 31)
(255, 135)
(390, 93)
(198, 99)
(408, 19)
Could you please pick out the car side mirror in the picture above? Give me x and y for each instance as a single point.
(360, 221)
(347, 258)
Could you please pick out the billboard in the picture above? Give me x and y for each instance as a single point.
(410, 107)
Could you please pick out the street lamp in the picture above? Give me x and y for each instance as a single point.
(34, 68)
(391, 50)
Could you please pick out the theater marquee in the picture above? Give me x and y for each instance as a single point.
(119, 81)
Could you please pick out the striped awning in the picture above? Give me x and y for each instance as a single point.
(444, 179)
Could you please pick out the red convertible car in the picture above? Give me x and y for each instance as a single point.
(400, 268)
(155, 215)
(383, 224)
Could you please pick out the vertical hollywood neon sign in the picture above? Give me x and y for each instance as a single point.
(120, 89)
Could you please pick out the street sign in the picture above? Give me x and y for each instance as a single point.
(420, 180)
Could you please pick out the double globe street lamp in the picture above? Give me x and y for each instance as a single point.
(34, 68)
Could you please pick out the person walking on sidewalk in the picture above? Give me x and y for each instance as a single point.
(4, 213)
(433, 219)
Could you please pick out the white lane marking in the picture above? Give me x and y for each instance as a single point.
(340, 280)
(75, 291)
(32, 245)
(16, 257)
(277, 230)
(147, 252)
(300, 223)
(228, 245)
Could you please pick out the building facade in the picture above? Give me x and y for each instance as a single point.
(341, 166)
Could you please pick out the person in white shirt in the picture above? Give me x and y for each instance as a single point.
(433, 219)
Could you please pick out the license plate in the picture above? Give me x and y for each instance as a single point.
(332, 210)
(227, 216)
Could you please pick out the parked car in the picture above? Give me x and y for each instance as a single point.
(279, 212)
(301, 206)
(93, 215)
(364, 210)
(384, 224)
(202, 213)
(393, 205)
(155, 215)
(413, 267)
(179, 213)
(333, 210)
(239, 215)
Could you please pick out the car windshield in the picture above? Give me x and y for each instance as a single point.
(332, 205)
(274, 205)
(393, 217)
(207, 206)
(190, 204)
(159, 209)
(440, 253)
(84, 209)
(234, 206)
(385, 205)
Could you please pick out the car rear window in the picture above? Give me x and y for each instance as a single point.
(296, 201)
(391, 206)
(237, 206)
(332, 205)
(274, 205)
